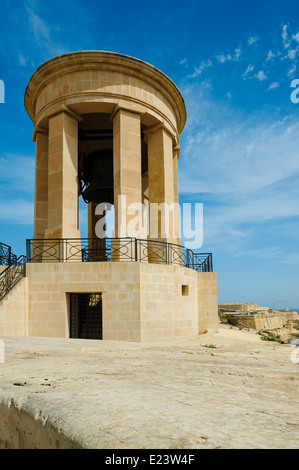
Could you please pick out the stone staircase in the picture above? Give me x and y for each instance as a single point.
(14, 310)
(12, 269)
(13, 293)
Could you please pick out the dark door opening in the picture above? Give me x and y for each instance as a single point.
(86, 316)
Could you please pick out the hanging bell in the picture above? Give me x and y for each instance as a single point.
(98, 177)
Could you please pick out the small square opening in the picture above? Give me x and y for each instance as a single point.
(185, 290)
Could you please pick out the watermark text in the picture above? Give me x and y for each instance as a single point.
(295, 93)
(2, 92)
(153, 221)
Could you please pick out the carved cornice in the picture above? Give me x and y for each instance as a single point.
(107, 61)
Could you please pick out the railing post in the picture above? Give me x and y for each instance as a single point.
(136, 249)
(169, 253)
(28, 251)
(7, 278)
(187, 260)
(192, 259)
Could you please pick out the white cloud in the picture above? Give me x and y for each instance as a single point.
(261, 76)
(42, 33)
(200, 69)
(40, 29)
(18, 175)
(292, 71)
(22, 59)
(232, 146)
(184, 62)
(292, 53)
(296, 37)
(284, 34)
(249, 69)
(271, 56)
(238, 53)
(252, 40)
(273, 85)
(17, 212)
(222, 58)
(246, 166)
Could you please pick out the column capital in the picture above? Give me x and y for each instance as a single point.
(68, 111)
(38, 130)
(176, 151)
(158, 128)
(118, 108)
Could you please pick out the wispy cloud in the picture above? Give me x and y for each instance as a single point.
(184, 62)
(290, 44)
(271, 55)
(275, 62)
(261, 76)
(284, 35)
(235, 162)
(222, 58)
(249, 69)
(47, 35)
(291, 72)
(198, 70)
(22, 59)
(40, 30)
(252, 40)
(17, 212)
(19, 175)
(273, 85)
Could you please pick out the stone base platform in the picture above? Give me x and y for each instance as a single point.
(224, 390)
(140, 301)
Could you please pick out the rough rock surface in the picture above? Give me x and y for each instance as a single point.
(227, 390)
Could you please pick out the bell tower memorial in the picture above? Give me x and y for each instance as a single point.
(106, 128)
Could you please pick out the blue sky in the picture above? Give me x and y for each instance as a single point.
(234, 63)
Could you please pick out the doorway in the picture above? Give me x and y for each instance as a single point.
(86, 316)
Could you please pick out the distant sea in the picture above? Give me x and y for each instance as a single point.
(296, 309)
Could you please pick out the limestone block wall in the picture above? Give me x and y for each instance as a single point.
(93, 83)
(165, 310)
(14, 311)
(247, 321)
(207, 302)
(268, 322)
(141, 301)
(50, 284)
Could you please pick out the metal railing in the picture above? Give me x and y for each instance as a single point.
(203, 262)
(6, 256)
(116, 249)
(12, 275)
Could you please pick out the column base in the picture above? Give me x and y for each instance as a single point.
(62, 246)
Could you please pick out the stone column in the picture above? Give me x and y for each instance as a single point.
(177, 252)
(161, 193)
(127, 176)
(63, 183)
(41, 193)
(176, 193)
(96, 246)
(143, 248)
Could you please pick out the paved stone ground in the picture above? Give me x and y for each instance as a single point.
(176, 394)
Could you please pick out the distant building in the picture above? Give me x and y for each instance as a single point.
(244, 308)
